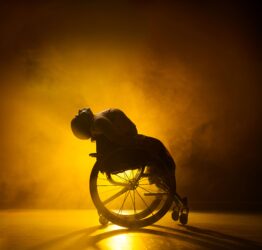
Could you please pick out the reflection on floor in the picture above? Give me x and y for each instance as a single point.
(79, 229)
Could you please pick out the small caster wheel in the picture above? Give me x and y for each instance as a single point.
(175, 214)
(103, 220)
(184, 216)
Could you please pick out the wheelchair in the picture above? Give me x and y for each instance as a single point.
(126, 192)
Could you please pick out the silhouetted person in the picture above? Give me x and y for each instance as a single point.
(112, 129)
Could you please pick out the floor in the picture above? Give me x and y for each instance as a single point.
(79, 229)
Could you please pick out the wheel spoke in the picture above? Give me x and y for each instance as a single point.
(126, 176)
(145, 202)
(108, 185)
(116, 195)
(145, 189)
(126, 195)
(129, 174)
(138, 174)
(134, 193)
(121, 177)
(133, 200)
(110, 190)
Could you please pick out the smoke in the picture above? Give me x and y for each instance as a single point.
(183, 74)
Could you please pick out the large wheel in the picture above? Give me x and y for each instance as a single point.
(128, 198)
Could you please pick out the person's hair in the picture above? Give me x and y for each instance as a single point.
(81, 123)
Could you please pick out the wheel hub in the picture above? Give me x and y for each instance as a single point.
(133, 184)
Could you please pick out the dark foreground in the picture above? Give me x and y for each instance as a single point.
(79, 229)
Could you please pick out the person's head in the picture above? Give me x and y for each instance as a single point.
(81, 123)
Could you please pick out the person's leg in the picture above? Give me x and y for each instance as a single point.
(156, 148)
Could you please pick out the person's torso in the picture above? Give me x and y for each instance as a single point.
(120, 121)
(122, 124)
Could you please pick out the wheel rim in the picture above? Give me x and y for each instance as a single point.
(128, 198)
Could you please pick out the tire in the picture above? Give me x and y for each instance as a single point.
(153, 205)
(103, 220)
(183, 219)
(175, 215)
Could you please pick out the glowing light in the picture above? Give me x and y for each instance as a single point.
(120, 241)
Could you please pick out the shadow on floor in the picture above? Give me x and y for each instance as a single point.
(185, 237)
(209, 238)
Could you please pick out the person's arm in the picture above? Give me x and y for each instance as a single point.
(104, 126)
